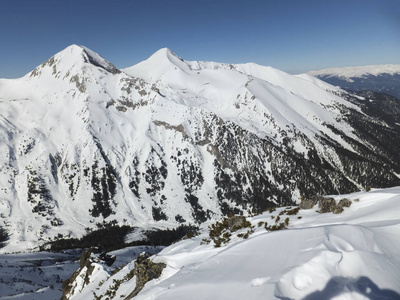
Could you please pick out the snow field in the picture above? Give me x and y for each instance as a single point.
(353, 255)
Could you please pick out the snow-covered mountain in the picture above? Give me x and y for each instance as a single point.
(170, 141)
(377, 78)
(352, 255)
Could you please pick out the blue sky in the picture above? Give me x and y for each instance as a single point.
(291, 35)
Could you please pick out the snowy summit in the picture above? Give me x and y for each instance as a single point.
(169, 143)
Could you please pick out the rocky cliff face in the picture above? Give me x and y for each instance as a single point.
(169, 141)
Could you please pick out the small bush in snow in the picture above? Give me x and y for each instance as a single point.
(3, 236)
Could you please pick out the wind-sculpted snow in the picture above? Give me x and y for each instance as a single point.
(169, 141)
(352, 255)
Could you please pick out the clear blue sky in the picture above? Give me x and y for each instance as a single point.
(291, 35)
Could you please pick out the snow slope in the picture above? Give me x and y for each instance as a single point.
(169, 141)
(353, 255)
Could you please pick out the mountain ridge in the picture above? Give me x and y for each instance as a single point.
(82, 145)
(377, 78)
(358, 71)
(73, 56)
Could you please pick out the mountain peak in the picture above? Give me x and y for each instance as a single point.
(164, 51)
(160, 63)
(74, 56)
(165, 55)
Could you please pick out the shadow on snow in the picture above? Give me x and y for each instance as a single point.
(363, 286)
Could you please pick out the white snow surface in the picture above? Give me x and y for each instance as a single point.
(360, 71)
(77, 98)
(35, 276)
(352, 255)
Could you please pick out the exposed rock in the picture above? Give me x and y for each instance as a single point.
(86, 268)
(236, 223)
(326, 205)
(85, 271)
(340, 206)
(308, 203)
(145, 270)
(108, 259)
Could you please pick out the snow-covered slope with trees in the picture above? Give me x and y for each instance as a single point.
(352, 255)
(169, 141)
(377, 78)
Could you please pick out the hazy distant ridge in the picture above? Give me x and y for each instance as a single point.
(377, 78)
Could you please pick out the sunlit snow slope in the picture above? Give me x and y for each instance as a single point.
(352, 255)
(169, 141)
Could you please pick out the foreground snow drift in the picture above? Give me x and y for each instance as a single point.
(353, 255)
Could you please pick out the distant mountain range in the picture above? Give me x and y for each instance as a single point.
(169, 142)
(377, 78)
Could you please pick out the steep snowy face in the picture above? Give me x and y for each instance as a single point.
(169, 141)
(245, 94)
(73, 59)
(377, 78)
(63, 129)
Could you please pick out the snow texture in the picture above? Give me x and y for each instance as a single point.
(353, 255)
(170, 141)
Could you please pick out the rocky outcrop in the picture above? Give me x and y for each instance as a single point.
(85, 270)
(145, 270)
(82, 277)
(341, 205)
(325, 205)
(308, 203)
(236, 223)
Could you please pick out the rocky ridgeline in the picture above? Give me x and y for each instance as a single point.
(133, 151)
(325, 205)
